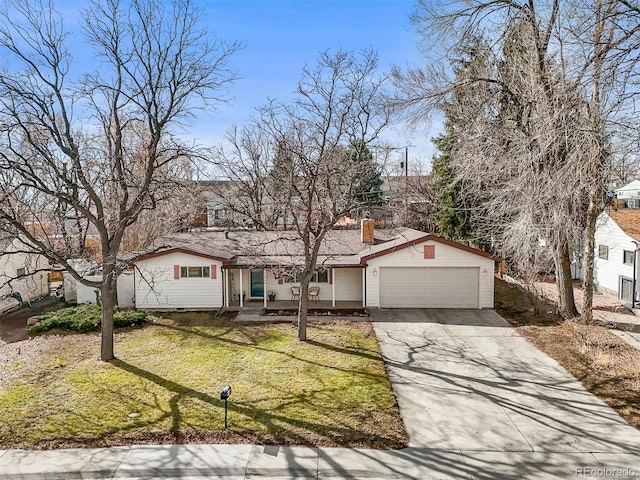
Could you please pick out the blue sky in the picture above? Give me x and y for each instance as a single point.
(281, 36)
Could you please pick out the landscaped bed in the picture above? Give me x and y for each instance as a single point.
(165, 386)
(319, 312)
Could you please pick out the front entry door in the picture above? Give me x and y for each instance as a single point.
(257, 283)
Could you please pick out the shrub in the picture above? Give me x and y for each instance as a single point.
(84, 318)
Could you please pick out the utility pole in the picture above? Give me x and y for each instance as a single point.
(635, 274)
(406, 185)
(406, 162)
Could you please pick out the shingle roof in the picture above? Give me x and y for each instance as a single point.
(628, 219)
(5, 241)
(250, 248)
(634, 185)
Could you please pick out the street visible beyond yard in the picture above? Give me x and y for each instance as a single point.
(165, 385)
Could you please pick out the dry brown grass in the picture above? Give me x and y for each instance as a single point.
(606, 365)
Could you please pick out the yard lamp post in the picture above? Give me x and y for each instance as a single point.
(224, 395)
(635, 268)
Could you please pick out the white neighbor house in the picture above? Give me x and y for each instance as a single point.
(630, 193)
(389, 269)
(76, 292)
(617, 232)
(21, 272)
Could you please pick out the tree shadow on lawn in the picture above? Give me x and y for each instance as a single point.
(255, 343)
(280, 429)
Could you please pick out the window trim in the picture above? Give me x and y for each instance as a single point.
(318, 277)
(21, 274)
(186, 270)
(624, 257)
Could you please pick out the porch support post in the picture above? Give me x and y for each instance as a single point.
(364, 287)
(240, 295)
(227, 287)
(264, 286)
(333, 288)
(224, 288)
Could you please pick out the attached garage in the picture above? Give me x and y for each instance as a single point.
(429, 287)
(428, 271)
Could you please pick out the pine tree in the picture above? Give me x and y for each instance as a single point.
(451, 218)
(370, 185)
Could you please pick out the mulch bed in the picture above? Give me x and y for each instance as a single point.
(334, 312)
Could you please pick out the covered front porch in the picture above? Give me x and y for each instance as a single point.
(273, 288)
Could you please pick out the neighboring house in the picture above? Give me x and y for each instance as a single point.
(124, 284)
(22, 274)
(225, 202)
(386, 268)
(77, 292)
(617, 234)
(402, 200)
(630, 193)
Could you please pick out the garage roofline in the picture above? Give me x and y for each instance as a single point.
(423, 239)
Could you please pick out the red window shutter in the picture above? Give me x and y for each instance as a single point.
(176, 272)
(429, 252)
(214, 273)
(330, 275)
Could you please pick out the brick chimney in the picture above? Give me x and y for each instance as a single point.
(367, 230)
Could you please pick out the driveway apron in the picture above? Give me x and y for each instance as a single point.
(465, 380)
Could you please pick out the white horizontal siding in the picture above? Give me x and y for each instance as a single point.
(29, 287)
(348, 286)
(445, 256)
(607, 273)
(155, 286)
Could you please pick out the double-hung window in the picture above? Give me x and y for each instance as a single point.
(321, 276)
(194, 272)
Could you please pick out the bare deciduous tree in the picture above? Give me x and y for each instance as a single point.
(89, 153)
(536, 119)
(297, 154)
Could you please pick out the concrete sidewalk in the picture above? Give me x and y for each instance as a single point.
(271, 462)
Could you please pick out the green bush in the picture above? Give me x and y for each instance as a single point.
(84, 318)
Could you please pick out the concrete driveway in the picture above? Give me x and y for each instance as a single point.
(467, 382)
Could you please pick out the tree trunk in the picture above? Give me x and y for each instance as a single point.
(109, 296)
(303, 307)
(589, 254)
(566, 301)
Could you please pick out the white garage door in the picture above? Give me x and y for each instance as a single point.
(432, 287)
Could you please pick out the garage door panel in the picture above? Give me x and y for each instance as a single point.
(429, 287)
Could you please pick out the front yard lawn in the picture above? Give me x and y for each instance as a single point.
(165, 386)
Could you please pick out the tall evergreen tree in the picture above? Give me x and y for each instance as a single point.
(451, 217)
(370, 184)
